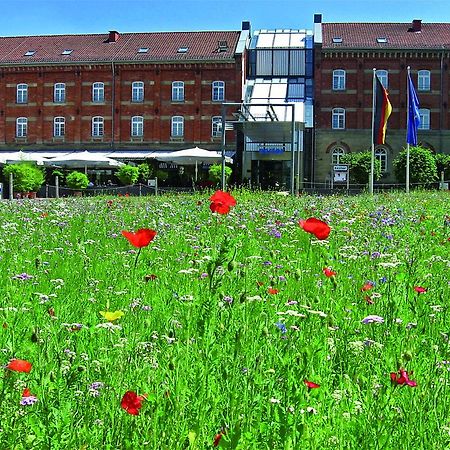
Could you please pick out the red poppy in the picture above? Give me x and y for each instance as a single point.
(272, 291)
(403, 378)
(366, 287)
(420, 290)
(19, 365)
(132, 403)
(311, 384)
(217, 439)
(316, 227)
(328, 272)
(150, 277)
(221, 202)
(368, 299)
(141, 238)
(26, 393)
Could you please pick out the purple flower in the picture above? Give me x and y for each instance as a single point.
(28, 401)
(228, 299)
(372, 319)
(22, 276)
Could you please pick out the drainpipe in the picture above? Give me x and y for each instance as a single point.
(113, 102)
(441, 100)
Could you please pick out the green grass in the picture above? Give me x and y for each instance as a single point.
(201, 340)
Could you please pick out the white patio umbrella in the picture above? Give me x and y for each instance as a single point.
(191, 156)
(17, 157)
(84, 159)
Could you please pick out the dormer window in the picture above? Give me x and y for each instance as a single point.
(337, 40)
(143, 50)
(382, 40)
(66, 52)
(223, 46)
(182, 49)
(30, 53)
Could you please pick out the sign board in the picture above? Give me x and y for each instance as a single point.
(340, 174)
(273, 150)
(340, 168)
(1, 191)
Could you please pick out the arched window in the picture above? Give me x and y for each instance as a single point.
(22, 93)
(137, 126)
(423, 80)
(137, 91)
(178, 91)
(382, 155)
(59, 126)
(21, 127)
(177, 128)
(338, 118)
(216, 126)
(98, 92)
(383, 76)
(424, 119)
(336, 155)
(97, 126)
(338, 80)
(218, 91)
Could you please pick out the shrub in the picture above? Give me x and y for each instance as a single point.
(27, 176)
(162, 175)
(215, 173)
(442, 163)
(77, 180)
(128, 174)
(145, 172)
(359, 166)
(422, 166)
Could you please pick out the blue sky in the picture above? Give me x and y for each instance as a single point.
(30, 17)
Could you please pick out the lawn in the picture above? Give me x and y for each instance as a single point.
(238, 330)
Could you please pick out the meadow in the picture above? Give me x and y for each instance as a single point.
(237, 330)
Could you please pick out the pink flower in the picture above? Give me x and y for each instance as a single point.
(402, 378)
(311, 384)
(420, 290)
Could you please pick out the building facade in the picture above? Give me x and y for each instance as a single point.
(129, 93)
(345, 56)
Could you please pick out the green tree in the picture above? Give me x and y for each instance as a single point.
(145, 172)
(77, 180)
(27, 176)
(422, 166)
(359, 166)
(442, 163)
(128, 174)
(215, 173)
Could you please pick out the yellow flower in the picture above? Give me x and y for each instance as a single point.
(112, 316)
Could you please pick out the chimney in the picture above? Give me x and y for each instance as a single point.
(416, 26)
(317, 18)
(113, 36)
(245, 25)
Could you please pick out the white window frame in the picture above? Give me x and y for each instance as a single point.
(178, 91)
(137, 91)
(22, 93)
(98, 126)
(338, 119)
(177, 126)
(216, 126)
(382, 155)
(137, 126)
(423, 80)
(336, 155)
(59, 93)
(424, 114)
(218, 91)
(59, 127)
(98, 92)
(339, 76)
(21, 127)
(383, 75)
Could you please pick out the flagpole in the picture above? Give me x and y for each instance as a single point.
(372, 153)
(407, 127)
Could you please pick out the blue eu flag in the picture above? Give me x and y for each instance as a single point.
(413, 114)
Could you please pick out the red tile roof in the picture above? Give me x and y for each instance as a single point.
(202, 45)
(364, 36)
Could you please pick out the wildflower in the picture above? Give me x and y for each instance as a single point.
(311, 384)
(281, 326)
(403, 378)
(274, 400)
(132, 403)
(112, 316)
(315, 226)
(372, 319)
(368, 285)
(217, 438)
(27, 398)
(328, 272)
(420, 290)
(228, 299)
(272, 291)
(141, 238)
(22, 276)
(221, 202)
(19, 365)
(150, 277)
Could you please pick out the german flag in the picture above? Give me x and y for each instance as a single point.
(383, 110)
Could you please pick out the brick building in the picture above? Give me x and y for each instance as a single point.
(345, 56)
(130, 93)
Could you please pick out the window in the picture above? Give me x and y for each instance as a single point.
(424, 119)
(22, 93)
(98, 92)
(143, 50)
(59, 126)
(59, 95)
(21, 127)
(216, 126)
(66, 52)
(30, 53)
(382, 40)
(178, 91)
(137, 91)
(182, 49)
(383, 76)
(382, 156)
(177, 126)
(97, 126)
(337, 40)
(338, 119)
(218, 91)
(137, 126)
(423, 80)
(338, 80)
(336, 155)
